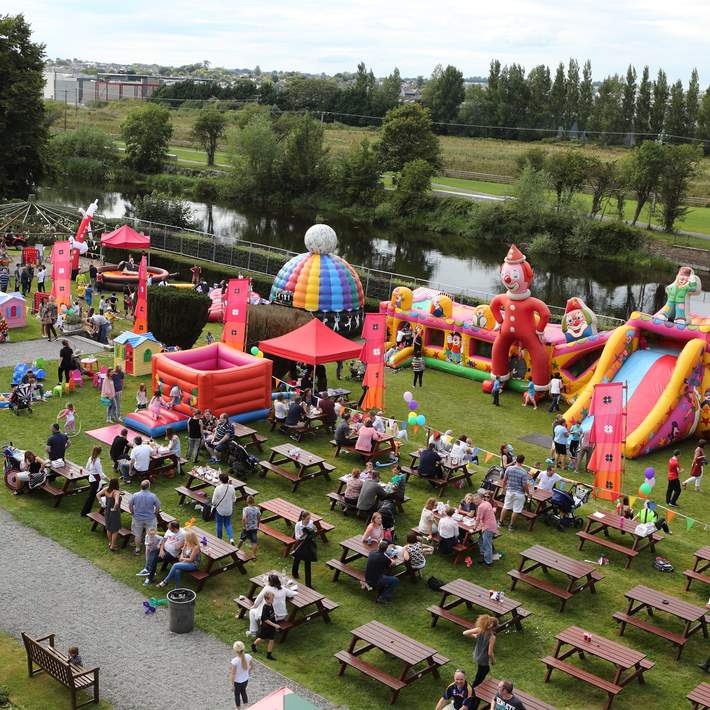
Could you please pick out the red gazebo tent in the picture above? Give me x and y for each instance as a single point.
(125, 237)
(313, 344)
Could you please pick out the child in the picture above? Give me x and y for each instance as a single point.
(73, 656)
(141, 397)
(495, 391)
(251, 515)
(88, 294)
(418, 369)
(112, 303)
(529, 396)
(241, 667)
(268, 627)
(68, 415)
(369, 471)
(175, 395)
(209, 338)
(152, 543)
(102, 305)
(154, 405)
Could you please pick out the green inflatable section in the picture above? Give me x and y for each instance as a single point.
(470, 372)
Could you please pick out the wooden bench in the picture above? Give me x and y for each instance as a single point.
(340, 567)
(541, 584)
(98, 519)
(279, 470)
(53, 491)
(349, 659)
(350, 448)
(438, 612)
(525, 513)
(199, 496)
(287, 540)
(611, 689)
(676, 639)
(700, 697)
(296, 431)
(57, 665)
(692, 575)
(487, 691)
(608, 544)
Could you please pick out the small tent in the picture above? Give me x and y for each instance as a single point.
(125, 237)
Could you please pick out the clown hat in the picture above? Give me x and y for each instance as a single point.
(514, 255)
(574, 304)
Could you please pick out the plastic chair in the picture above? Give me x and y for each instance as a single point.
(76, 379)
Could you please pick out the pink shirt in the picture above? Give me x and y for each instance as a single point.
(486, 517)
(365, 437)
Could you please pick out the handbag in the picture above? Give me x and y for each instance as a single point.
(208, 510)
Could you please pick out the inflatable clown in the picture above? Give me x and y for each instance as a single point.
(521, 321)
(678, 295)
(579, 321)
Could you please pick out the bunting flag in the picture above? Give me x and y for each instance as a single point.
(140, 324)
(669, 516)
(61, 273)
(689, 522)
(607, 436)
(632, 501)
(373, 355)
(487, 457)
(235, 313)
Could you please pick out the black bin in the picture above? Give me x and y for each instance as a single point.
(182, 610)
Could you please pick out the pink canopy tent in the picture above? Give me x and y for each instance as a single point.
(313, 344)
(125, 237)
(283, 699)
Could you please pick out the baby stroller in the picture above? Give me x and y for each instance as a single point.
(21, 398)
(495, 473)
(387, 511)
(565, 503)
(12, 459)
(241, 462)
(357, 371)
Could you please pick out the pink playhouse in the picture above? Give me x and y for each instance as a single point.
(12, 309)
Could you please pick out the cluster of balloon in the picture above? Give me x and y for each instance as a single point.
(256, 352)
(416, 420)
(646, 488)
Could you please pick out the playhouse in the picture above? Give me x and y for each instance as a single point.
(134, 352)
(12, 309)
(216, 377)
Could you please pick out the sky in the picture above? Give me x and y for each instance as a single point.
(316, 36)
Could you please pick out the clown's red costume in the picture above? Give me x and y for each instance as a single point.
(515, 313)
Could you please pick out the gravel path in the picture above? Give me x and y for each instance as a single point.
(28, 350)
(142, 663)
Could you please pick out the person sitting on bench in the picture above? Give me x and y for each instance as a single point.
(430, 462)
(366, 437)
(379, 563)
(344, 435)
(295, 413)
(370, 493)
(221, 438)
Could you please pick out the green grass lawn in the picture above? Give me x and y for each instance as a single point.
(448, 402)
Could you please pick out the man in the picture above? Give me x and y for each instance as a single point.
(168, 551)
(144, 508)
(343, 433)
(194, 435)
(219, 441)
(119, 453)
(429, 462)
(93, 273)
(25, 281)
(485, 522)
(140, 459)
(460, 693)
(118, 377)
(378, 564)
(57, 444)
(495, 391)
(327, 408)
(370, 493)
(295, 412)
(585, 450)
(559, 439)
(102, 326)
(41, 276)
(517, 489)
(674, 470)
(504, 699)
(547, 479)
(555, 392)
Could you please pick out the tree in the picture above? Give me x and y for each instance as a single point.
(703, 130)
(692, 104)
(660, 99)
(406, 135)
(681, 164)
(513, 99)
(23, 130)
(386, 96)
(414, 186)
(642, 171)
(163, 209)
(608, 119)
(675, 115)
(254, 152)
(208, 129)
(357, 174)
(568, 172)
(643, 104)
(586, 97)
(571, 109)
(602, 177)
(557, 96)
(147, 132)
(538, 91)
(304, 163)
(85, 155)
(443, 94)
(628, 100)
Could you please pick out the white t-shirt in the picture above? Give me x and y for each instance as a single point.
(448, 527)
(173, 540)
(140, 457)
(547, 483)
(242, 674)
(426, 520)
(280, 409)
(555, 385)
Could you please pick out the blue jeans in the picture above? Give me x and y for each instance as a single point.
(387, 586)
(111, 411)
(176, 571)
(225, 520)
(486, 546)
(117, 404)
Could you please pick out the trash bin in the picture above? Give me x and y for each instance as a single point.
(182, 610)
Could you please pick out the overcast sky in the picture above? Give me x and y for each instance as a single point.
(318, 36)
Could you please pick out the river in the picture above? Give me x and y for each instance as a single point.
(607, 288)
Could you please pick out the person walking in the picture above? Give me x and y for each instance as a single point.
(48, 314)
(487, 524)
(96, 477)
(418, 369)
(41, 276)
(241, 666)
(495, 391)
(696, 468)
(555, 392)
(223, 499)
(306, 550)
(194, 435)
(25, 281)
(673, 489)
(145, 508)
(112, 511)
(484, 632)
(66, 362)
(108, 392)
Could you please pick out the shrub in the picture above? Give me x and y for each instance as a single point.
(85, 155)
(158, 207)
(176, 316)
(384, 213)
(273, 320)
(544, 245)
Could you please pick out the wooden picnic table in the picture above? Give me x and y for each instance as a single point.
(600, 522)
(199, 484)
(280, 509)
(417, 659)
(247, 436)
(162, 463)
(488, 690)
(628, 663)
(307, 465)
(701, 563)
(508, 611)
(581, 575)
(221, 556)
(98, 519)
(381, 446)
(72, 474)
(308, 604)
(337, 497)
(700, 697)
(354, 549)
(453, 470)
(470, 539)
(642, 598)
(538, 504)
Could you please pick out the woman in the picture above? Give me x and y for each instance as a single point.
(696, 468)
(30, 472)
(506, 457)
(398, 483)
(241, 666)
(172, 447)
(49, 318)
(305, 551)
(321, 379)
(467, 507)
(417, 551)
(366, 437)
(223, 499)
(485, 634)
(66, 361)
(96, 478)
(108, 391)
(280, 593)
(112, 511)
(375, 531)
(427, 524)
(189, 559)
(352, 490)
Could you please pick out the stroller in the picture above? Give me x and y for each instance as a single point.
(565, 503)
(241, 462)
(21, 398)
(495, 473)
(387, 511)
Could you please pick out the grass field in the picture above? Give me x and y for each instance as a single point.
(447, 402)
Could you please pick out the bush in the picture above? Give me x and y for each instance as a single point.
(544, 245)
(384, 213)
(176, 316)
(158, 207)
(86, 155)
(414, 186)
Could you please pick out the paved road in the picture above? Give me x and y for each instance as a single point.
(29, 350)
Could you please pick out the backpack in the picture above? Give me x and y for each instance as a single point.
(435, 584)
(661, 564)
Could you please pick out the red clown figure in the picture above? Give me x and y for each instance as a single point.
(515, 312)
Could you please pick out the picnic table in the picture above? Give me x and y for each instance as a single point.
(628, 663)
(471, 536)
(336, 497)
(417, 659)
(307, 465)
(488, 689)
(98, 519)
(581, 575)
(701, 563)
(72, 474)
(164, 463)
(381, 446)
(280, 509)
(308, 604)
(600, 522)
(247, 436)
(642, 598)
(200, 482)
(453, 470)
(508, 611)
(700, 697)
(538, 504)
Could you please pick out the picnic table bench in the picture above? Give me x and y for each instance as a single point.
(382, 446)
(629, 664)
(700, 697)
(308, 604)
(220, 555)
(337, 497)
(508, 611)
(98, 519)
(537, 505)
(488, 689)
(306, 465)
(56, 664)
(72, 474)
(700, 564)
(600, 522)
(199, 484)
(164, 463)
(581, 575)
(644, 598)
(280, 509)
(454, 471)
(247, 436)
(417, 659)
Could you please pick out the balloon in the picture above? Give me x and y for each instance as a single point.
(650, 472)
(260, 354)
(70, 311)
(412, 418)
(407, 396)
(254, 350)
(412, 404)
(421, 420)
(645, 489)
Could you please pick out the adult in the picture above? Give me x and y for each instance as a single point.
(66, 362)
(427, 523)
(559, 439)
(140, 458)
(168, 551)
(220, 440)
(305, 551)
(194, 435)
(196, 272)
(118, 377)
(144, 507)
(696, 468)
(119, 453)
(111, 495)
(321, 379)
(555, 392)
(223, 498)
(102, 327)
(96, 477)
(30, 472)
(505, 699)
(549, 478)
(189, 559)
(506, 456)
(295, 412)
(108, 394)
(93, 273)
(673, 489)
(379, 563)
(48, 316)
(352, 490)
(417, 551)
(4, 279)
(281, 594)
(41, 276)
(240, 668)
(344, 436)
(374, 532)
(25, 281)
(57, 444)
(366, 437)
(585, 450)
(327, 410)
(459, 694)
(429, 463)
(448, 531)
(488, 525)
(517, 489)
(371, 493)
(484, 631)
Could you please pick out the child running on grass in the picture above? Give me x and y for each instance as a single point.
(69, 416)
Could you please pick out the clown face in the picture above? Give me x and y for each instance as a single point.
(513, 278)
(683, 276)
(576, 322)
